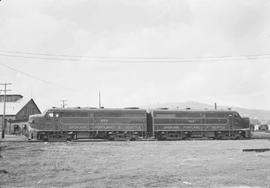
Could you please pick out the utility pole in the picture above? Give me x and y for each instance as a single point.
(63, 103)
(4, 111)
(99, 99)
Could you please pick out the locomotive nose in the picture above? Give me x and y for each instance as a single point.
(34, 117)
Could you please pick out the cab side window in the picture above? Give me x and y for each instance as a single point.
(237, 118)
(50, 114)
(53, 115)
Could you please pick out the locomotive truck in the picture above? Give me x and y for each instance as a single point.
(135, 123)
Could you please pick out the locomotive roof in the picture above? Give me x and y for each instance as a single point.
(94, 109)
(137, 109)
(193, 111)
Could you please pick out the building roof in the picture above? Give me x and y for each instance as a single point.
(11, 98)
(12, 108)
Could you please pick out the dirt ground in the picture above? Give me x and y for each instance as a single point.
(200, 163)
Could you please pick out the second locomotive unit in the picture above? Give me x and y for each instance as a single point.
(183, 124)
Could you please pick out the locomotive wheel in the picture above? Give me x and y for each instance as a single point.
(237, 137)
(241, 137)
(219, 137)
(111, 138)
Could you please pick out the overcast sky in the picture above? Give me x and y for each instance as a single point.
(137, 28)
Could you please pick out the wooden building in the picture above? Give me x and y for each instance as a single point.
(18, 110)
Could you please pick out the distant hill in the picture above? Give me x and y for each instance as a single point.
(261, 115)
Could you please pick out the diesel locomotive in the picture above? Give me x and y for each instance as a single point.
(88, 123)
(135, 124)
(183, 124)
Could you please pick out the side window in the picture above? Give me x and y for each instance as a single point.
(236, 116)
(49, 114)
(237, 119)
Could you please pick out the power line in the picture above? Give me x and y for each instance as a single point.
(35, 57)
(74, 58)
(34, 77)
(146, 60)
(129, 57)
(26, 74)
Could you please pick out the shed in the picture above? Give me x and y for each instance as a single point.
(18, 110)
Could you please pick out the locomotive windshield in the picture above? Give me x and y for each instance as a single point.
(237, 116)
(49, 114)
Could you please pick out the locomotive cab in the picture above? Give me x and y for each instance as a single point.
(46, 127)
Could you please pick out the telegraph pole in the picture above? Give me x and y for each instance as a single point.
(63, 103)
(4, 112)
